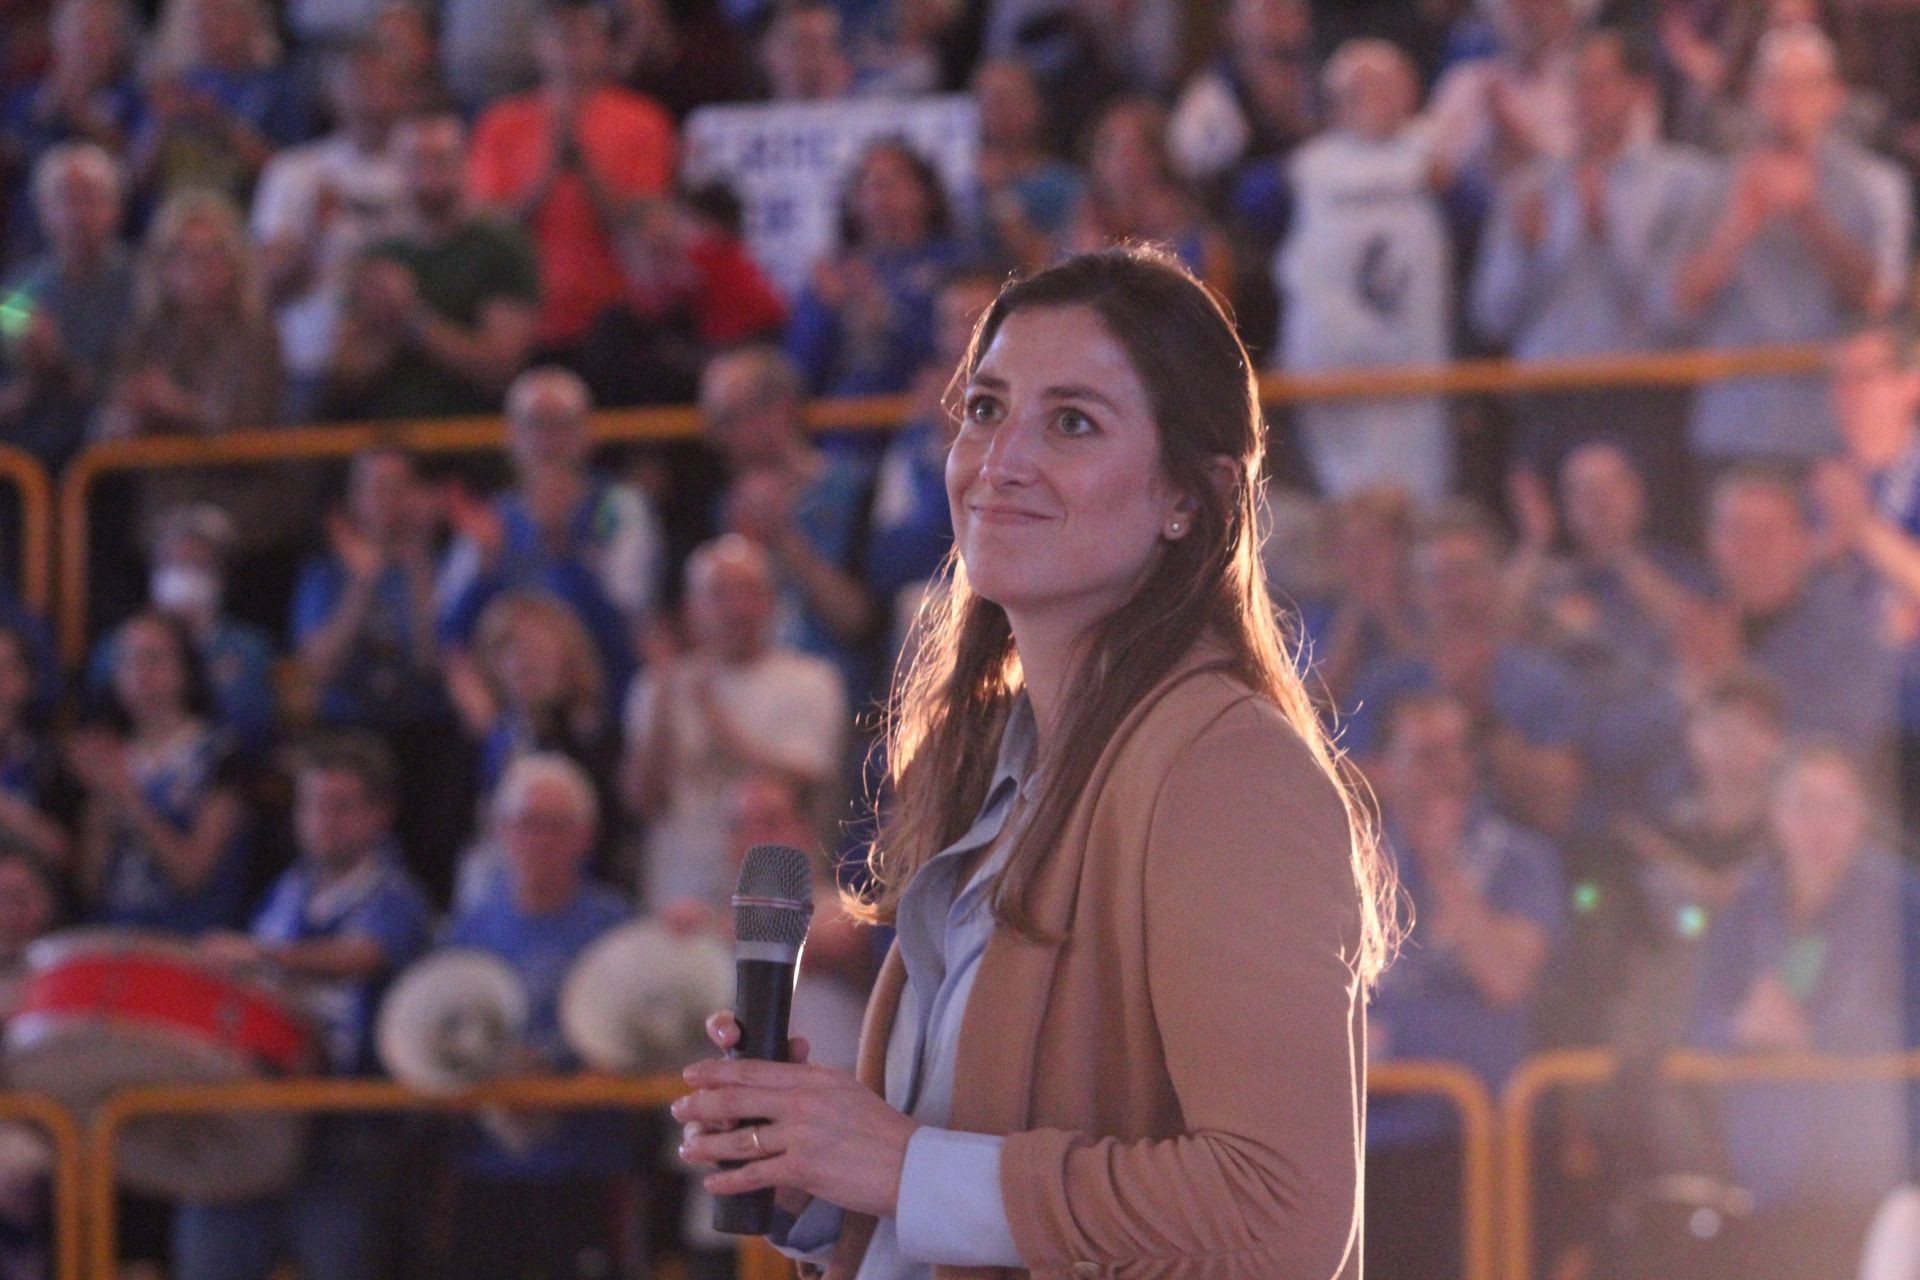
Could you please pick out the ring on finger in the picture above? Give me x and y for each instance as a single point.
(753, 1132)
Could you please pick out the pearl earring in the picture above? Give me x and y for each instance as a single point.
(1173, 530)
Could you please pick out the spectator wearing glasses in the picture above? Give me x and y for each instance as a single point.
(342, 921)
(543, 1204)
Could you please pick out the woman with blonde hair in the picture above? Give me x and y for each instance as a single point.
(202, 356)
(1138, 908)
(543, 682)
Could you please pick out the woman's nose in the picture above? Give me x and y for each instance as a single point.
(1010, 454)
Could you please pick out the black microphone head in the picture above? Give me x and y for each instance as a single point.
(773, 901)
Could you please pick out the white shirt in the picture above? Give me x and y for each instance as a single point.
(792, 705)
(365, 195)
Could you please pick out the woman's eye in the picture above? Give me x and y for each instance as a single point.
(1072, 422)
(983, 409)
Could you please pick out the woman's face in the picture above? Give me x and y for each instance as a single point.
(148, 672)
(199, 271)
(889, 201)
(1820, 820)
(1058, 497)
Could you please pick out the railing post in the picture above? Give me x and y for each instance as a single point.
(1478, 1179)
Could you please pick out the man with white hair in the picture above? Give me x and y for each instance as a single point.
(62, 315)
(563, 528)
(545, 1207)
(1803, 235)
(737, 704)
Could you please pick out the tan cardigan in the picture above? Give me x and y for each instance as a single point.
(1181, 1077)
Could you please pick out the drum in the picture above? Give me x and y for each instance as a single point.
(455, 1019)
(636, 1001)
(110, 1009)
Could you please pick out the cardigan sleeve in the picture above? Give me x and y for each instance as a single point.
(1252, 919)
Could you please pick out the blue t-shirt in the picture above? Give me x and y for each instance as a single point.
(135, 892)
(379, 902)
(835, 366)
(542, 950)
(527, 564)
(382, 681)
(1428, 1007)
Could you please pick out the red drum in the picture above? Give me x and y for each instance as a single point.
(110, 1009)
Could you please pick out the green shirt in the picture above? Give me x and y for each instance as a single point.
(482, 262)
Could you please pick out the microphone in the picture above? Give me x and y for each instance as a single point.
(772, 907)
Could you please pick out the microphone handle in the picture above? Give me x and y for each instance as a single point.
(763, 996)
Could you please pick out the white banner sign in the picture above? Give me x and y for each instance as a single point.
(788, 162)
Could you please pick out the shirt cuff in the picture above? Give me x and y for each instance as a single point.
(951, 1212)
(809, 1237)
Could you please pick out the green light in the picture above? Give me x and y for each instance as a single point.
(16, 311)
(1690, 921)
(1586, 896)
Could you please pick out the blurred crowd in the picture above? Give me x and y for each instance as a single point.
(1633, 675)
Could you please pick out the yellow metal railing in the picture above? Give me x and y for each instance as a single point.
(1497, 1143)
(1479, 1203)
(63, 1136)
(29, 480)
(591, 1092)
(680, 422)
(1543, 1073)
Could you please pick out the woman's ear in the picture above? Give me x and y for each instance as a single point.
(1224, 474)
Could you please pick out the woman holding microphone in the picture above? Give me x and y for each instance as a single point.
(1121, 1032)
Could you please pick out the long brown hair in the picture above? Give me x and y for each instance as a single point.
(947, 711)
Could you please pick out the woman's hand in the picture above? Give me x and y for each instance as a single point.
(822, 1133)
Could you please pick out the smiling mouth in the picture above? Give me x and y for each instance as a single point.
(1007, 515)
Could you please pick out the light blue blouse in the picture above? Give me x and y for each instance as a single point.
(950, 1211)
